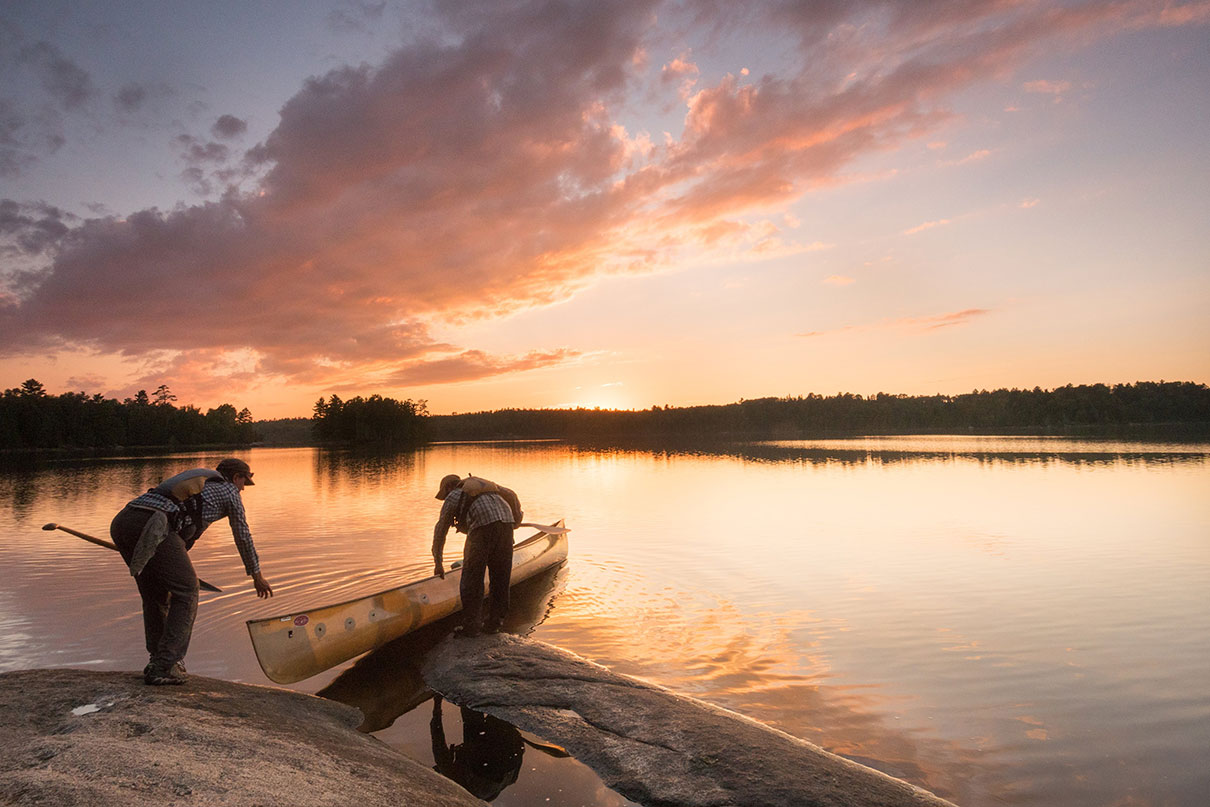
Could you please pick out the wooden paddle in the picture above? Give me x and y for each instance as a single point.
(549, 749)
(102, 542)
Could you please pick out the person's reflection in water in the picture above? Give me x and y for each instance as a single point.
(486, 761)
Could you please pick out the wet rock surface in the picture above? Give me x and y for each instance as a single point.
(87, 738)
(648, 743)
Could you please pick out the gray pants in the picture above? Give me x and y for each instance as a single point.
(167, 584)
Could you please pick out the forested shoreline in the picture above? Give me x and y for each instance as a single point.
(376, 420)
(33, 421)
(1083, 408)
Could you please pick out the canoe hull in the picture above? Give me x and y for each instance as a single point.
(295, 646)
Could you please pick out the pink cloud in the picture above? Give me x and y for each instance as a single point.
(927, 323)
(85, 383)
(829, 332)
(944, 320)
(973, 157)
(473, 365)
(928, 225)
(1047, 87)
(681, 72)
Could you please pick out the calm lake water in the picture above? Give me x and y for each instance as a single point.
(1015, 621)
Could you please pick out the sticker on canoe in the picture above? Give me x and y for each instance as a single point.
(301, 620)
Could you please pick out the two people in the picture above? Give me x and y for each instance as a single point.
(488, 513)
(155, 531)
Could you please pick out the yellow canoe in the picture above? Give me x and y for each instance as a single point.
(295, 646)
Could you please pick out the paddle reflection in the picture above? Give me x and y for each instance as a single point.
(387, 683)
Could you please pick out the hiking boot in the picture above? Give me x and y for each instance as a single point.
(158, 675)
(494, 626)
(151, 665)
(463, 632)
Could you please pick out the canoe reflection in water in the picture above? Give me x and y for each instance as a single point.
(387, 683)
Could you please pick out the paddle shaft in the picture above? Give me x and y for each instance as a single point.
(86, 537)
(109, 545)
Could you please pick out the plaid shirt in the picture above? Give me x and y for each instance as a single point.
(219, 500)
(485, 509)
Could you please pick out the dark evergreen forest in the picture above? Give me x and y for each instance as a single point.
(32, 420)
(375, 420)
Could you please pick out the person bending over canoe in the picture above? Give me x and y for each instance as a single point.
(155, 532)
(488, 514)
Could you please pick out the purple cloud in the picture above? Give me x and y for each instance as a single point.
(67, 82)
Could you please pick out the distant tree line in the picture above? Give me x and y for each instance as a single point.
(31, 420)
(374, 420)
(285, 432)
(1065, 409)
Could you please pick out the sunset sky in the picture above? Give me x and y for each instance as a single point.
(617, 204)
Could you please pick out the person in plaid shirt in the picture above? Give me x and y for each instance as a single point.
(488, 518)
(154, 533)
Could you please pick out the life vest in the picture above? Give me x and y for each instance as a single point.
(472, 488)
(185, 490)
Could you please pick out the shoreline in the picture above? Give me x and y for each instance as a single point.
(214, 742)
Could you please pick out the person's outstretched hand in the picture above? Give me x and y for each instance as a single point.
(263, 589)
